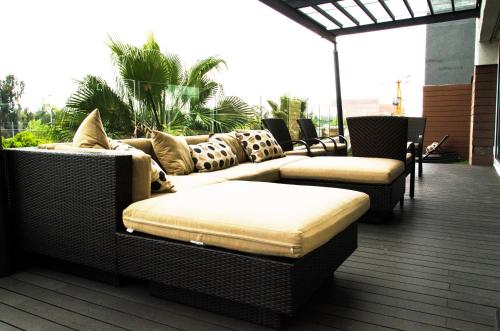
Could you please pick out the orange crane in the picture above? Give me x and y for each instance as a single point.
(398, 102)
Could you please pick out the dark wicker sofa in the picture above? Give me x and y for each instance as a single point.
(68, 206)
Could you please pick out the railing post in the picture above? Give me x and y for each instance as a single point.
(338, 92)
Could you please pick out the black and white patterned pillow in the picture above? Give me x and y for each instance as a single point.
(259, 145)
(211, 156)
(159, 181)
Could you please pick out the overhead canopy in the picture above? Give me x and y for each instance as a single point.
(334, 18)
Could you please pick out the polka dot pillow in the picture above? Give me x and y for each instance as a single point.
(259, 145)
(211, 156)
(159, 181)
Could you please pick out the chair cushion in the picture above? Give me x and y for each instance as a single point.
(231, 140)
(211, 156)
(90, 133)
(259, 145)
(366, 170)
(303, 152)
(173, 153)
(286, 227)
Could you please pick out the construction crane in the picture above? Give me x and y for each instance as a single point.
(398, 102)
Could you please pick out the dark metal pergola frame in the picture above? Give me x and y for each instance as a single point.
(292, 10)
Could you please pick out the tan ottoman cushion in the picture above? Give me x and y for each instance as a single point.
(252, 217)
(367, 170)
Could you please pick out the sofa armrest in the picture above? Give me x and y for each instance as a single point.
(68, 205)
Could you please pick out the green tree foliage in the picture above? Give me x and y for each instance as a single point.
(155, 91)
(11, 90)
(281, 110)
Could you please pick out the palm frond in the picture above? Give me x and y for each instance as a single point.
(93, 92)
(231, 113)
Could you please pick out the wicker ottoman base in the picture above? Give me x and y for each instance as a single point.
(219, 305)
(260, 289)
(383, 198)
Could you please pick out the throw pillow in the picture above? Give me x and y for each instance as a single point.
(211, 156)
(159, 181)
(260, 145)
(173, 153)
(90, 133)
(230, 140)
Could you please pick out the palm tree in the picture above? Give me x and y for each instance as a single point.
(154, 91)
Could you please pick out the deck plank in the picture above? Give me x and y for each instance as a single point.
(434, 265)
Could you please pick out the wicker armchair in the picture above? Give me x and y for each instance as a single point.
(416, 131)
(310, 135)
(279, 130)
(384, 137)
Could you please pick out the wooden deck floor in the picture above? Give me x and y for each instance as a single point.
(435, 266)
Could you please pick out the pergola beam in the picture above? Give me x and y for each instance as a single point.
(367, 12)
(388, 11)
(300, 18)
(327, 16)
(437, 18)
(408, 7)
(345, 12)
(429, 3)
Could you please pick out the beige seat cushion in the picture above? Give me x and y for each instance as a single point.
(141, 167)
(173, 153)
(194, 180)
(267, 171)
(252, 217)
(345, 169)
(90, 133)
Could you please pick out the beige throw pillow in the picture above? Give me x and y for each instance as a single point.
(231, 140)
(173, 153)
(90, 133)
(159, 181)
(260, 145)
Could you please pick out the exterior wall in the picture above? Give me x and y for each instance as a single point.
(449, 57)
(483, 115)
(448, 112)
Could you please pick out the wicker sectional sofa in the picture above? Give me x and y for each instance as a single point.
(71, 204)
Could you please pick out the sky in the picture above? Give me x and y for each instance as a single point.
(51, 43)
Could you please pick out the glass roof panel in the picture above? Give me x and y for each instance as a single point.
(377, 10)
(355, 11)
(419, 7)
(465, 4)
(336, 14)
(312, 13)
(441, 6)
(398, 8)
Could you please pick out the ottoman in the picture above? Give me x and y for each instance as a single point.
(252, 250)
(382, 179)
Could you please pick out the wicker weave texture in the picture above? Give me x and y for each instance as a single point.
(378, 136)
(279, 285)
(382, 197)
(68, 206)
